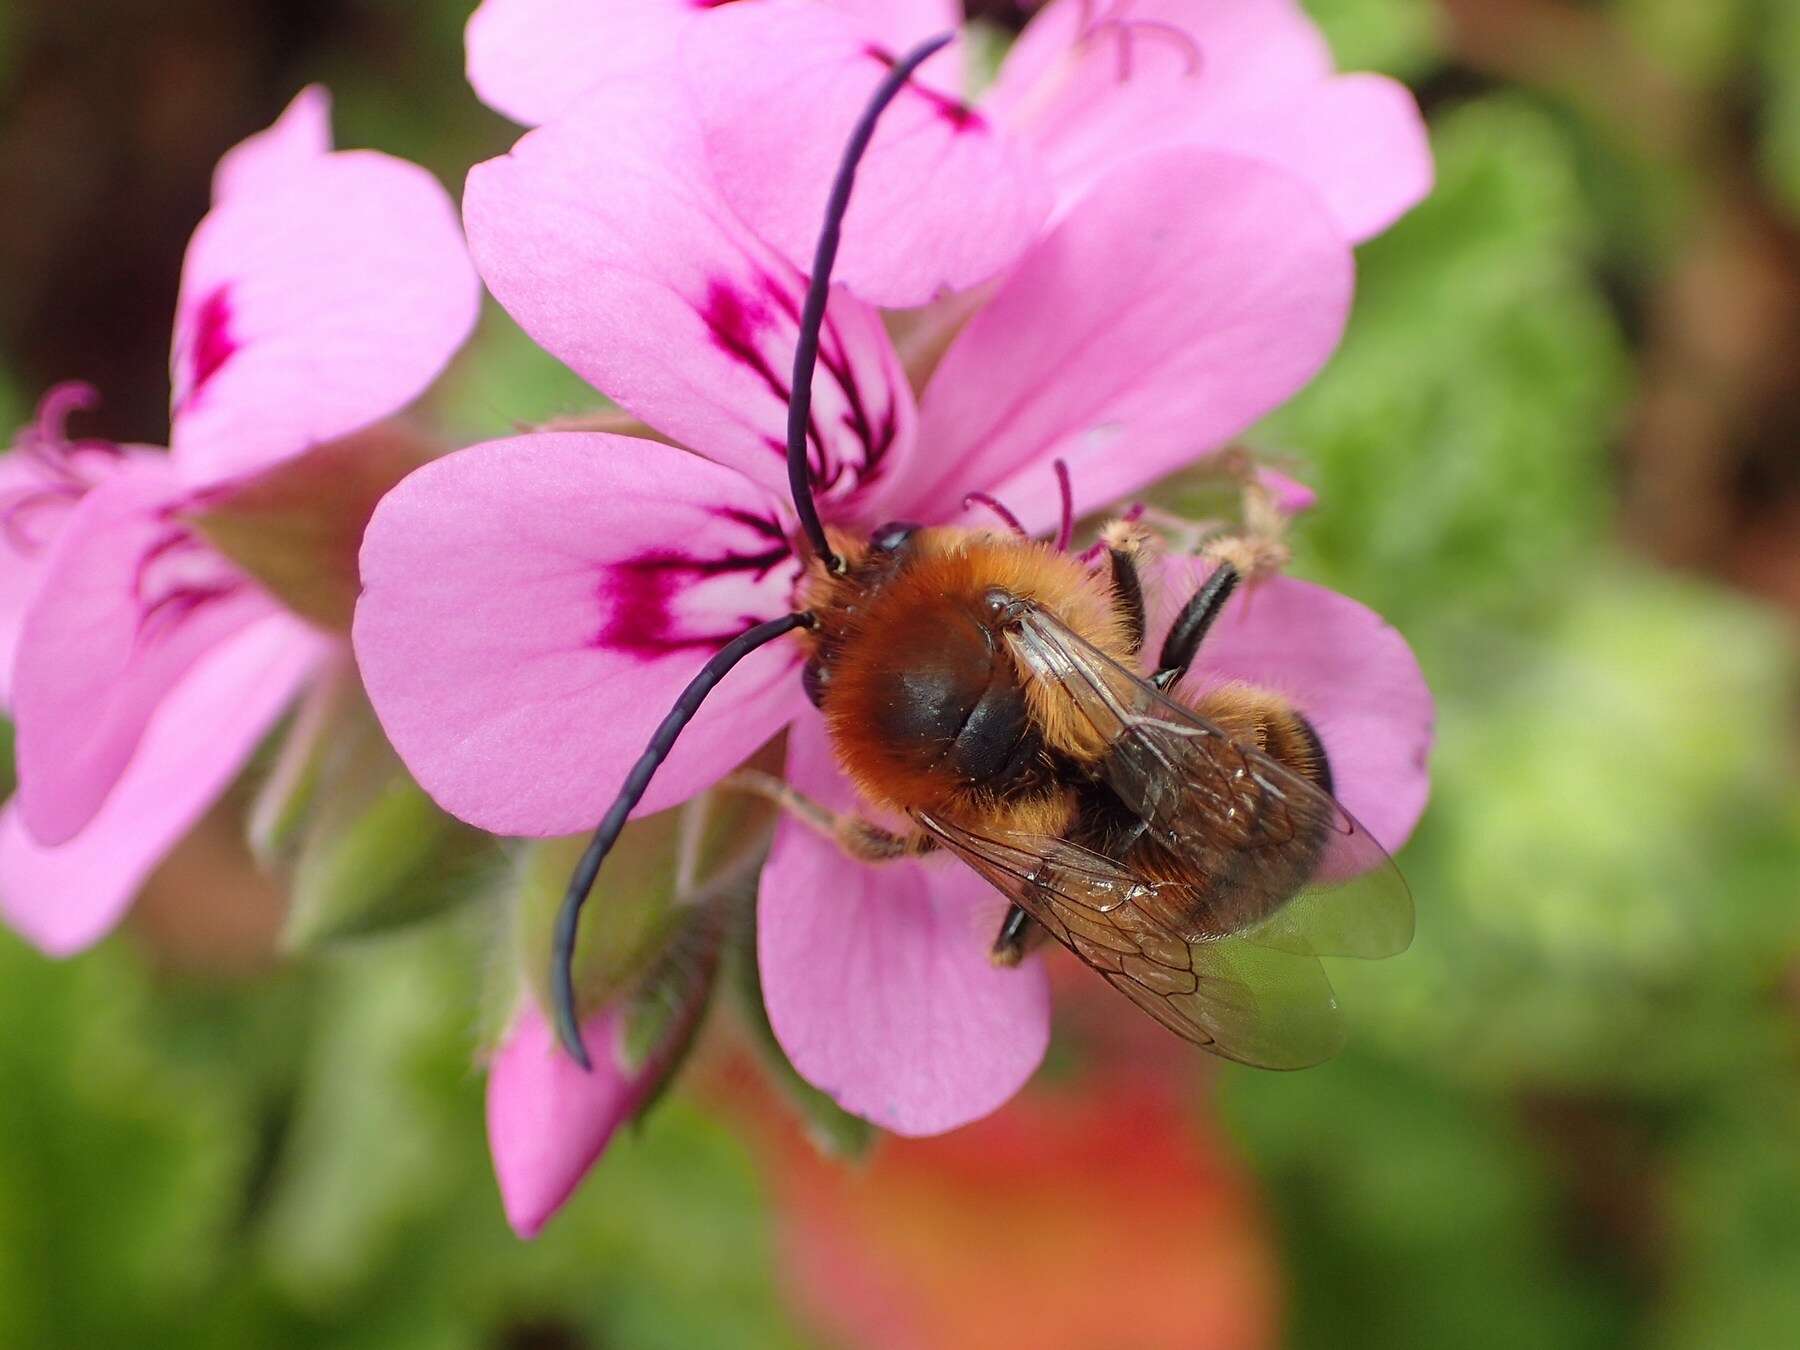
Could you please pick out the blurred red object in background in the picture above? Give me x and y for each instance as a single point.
(1103, 1214)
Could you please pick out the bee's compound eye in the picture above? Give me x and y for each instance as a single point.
(893, 536)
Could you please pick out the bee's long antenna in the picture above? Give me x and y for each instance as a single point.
(568, 918)
(812, 315)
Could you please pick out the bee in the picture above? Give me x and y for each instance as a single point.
(990, 691)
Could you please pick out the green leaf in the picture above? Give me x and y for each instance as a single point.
(1780, 49)
(374, 1139)
(1700, 44)
(1598, 875)
(1411, 1213)
(1461, 433)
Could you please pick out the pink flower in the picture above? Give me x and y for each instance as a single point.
(533, 605)
(1089, 85)
(323, 292)
(549, 1120)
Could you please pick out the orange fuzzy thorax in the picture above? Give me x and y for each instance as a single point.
(926, 609)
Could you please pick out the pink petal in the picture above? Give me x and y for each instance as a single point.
(531, 59)
(36, 503)
(1252, 76)
(1185, 298)
(604, 237)
(943, 200)
(877, 979)
(197, 741)
(26, 533)
(532, 607)
(548, 1119)
(311, 307)
(1085, 100)
(1343, 665)
(1292, 497)
(265, 161)
(128, 602)
(1359, 139)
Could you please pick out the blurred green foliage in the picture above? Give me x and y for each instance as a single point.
(1571, 1115)
(192, 1164)
(1607, 875)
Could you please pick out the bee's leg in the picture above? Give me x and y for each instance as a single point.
(860, 839)
(1017, 936)
(1191, 624)
(1125, 542)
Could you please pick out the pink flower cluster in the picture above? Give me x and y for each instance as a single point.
(1134, 244)
(322, 292)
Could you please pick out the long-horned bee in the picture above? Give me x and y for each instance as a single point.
(992, 692)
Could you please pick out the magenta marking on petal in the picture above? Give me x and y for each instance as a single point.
(639, 592)
(735, 320)
(877, 439)
(163, 614)
(212, 344)
(953, 110)
(176, 576)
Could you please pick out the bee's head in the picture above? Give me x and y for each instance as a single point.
(868, 566)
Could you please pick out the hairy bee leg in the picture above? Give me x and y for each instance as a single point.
(1017, 936)
(1191, 624)
(1125, 541)
(1128, 597)
(863, 840)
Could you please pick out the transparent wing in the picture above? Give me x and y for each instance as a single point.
(1286, 867)
(1258, 1004)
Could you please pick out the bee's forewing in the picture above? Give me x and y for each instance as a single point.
(1260, 1004)
(1323, 884)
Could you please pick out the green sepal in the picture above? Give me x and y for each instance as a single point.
(627, 922)
(363, 847)
(665, 1012)
(297, 527)
(288, 790)
(659, 864)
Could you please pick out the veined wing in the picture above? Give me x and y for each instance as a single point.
(1285, 865)
(1261, 1005)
